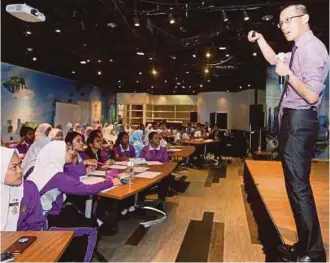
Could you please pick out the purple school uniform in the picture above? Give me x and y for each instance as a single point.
(30, 218)
(23, 147)
(129, 152)
(68, 184)
(154, 154)
(75, 170)
(104, 156)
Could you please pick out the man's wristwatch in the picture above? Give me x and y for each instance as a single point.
(287, 77)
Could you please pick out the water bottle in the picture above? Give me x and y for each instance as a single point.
(130, 172)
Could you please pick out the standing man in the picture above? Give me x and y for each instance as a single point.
(305, 70)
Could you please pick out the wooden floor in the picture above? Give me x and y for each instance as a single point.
(210, 216)
(268, 178)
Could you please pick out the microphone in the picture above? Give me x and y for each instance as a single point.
(281, 57)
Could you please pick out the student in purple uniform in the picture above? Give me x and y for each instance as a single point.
(122, 149)
(94, 150)
(27, 135)
(20, 200)
(154, 152)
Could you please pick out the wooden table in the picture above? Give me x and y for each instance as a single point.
(139, 184)
(49, 246)
(185, 152)
(199, 142)
(262, 154)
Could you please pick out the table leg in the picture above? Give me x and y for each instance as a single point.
(88, 207)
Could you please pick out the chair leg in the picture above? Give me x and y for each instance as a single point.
(99, 257)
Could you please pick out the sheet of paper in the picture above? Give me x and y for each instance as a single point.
(140, 169)
(208, 140)
(119, 167)
(154, 163)
(174, 150)
(121, 163)
(91, 180)
(148, 175)
(98, 173)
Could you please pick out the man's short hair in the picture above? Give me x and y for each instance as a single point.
(299, 7)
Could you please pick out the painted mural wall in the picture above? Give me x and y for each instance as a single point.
(273, 95)
(30, 96)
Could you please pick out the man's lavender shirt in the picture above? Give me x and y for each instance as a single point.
(30, 217)
(129, 152)
(154, 154)
(68, 183)
(310, 65)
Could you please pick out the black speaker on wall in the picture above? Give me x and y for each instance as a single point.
(193, 116)
(257, 116)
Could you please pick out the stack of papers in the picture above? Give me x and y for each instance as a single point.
(91, 180)
(140, 169)
(119, 167)
(148, 175)
(122, 163)
(97, 173)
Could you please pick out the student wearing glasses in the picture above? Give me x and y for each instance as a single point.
(305, 69)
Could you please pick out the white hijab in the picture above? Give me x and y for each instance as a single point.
(41, 130)
(88, 128)
(110, 134)
(50, 161)
(77, 127)
(32, 153)
(67, 128)
(53, 132)
(9, 195)
(146, 136)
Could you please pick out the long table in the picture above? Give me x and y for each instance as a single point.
(49, 246)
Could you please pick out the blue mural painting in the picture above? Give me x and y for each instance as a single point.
(31, 96)
(273, 95)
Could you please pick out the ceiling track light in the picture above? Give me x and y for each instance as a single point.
(136, 20)
(171, 19)
(246, 16)
(224, 16)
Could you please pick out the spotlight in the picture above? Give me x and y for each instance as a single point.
(245, 15)
(267, 17)
(208, 81)
(99, 73)
(194, 55)
(88, 60)
(240, 87)
(154, 72)
(227, 55)
(249, 85)
(58, 30)
(222, 48)
(83, 62)
(206, 70)
(30, 49)
(208, 54)
(224, 16)
(110, 60)
(201, 85)
(165, 81)
(34, 59)
(73, 72)
(140, 73)
(171, 19)
(254, 54)
(136, 21)
(28, 32)
(99, 61)
(140, 53)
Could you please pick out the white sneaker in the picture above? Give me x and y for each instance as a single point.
(131, 208)
(124, 211)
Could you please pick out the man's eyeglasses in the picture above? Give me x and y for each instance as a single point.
(286, 21)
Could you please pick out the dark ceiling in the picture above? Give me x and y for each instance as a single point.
(88, 34)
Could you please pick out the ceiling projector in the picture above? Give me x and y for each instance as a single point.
(25, 13)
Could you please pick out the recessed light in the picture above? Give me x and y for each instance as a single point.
(208, 80)
(134, 91)
(254, 54)
(58, 30)
(28, 32)
(194, 91)
(187, 72)
(201, 85)
(110, 60)
(154, 72)
(165, 81)
(206, 70)
(137, 81)
(83, 62)
(85, 44)
(99, 61)
(150, 58)
(194, 55)
(88, 60)
(73, 72)
(34, 59)
(173, 91)
(267, 17)
(140, 73)
(227, 55)
(175, 87)
(30, 49)
(208, 54)
(178, 83)
(119, 81)
(240, 87)
(222, 48)
(249, 85)
(140, 53)
(227, 90)
(246, 16)
(152, 87)
(173, 57)
(99, 73)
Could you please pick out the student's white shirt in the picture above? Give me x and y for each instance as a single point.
(198, 134)
(163, 143)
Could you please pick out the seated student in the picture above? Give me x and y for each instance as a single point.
(94, 150)
(20, 200)
(32, 154)
(55, 135)
(163, 142)
(54, 183)
(198, 131)
(43, 130)
(27, 135)
(136, 139)
(122, 149)
(190, 130)
(154, 152)
(87, 132)
(8, 136)
(181, 135)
